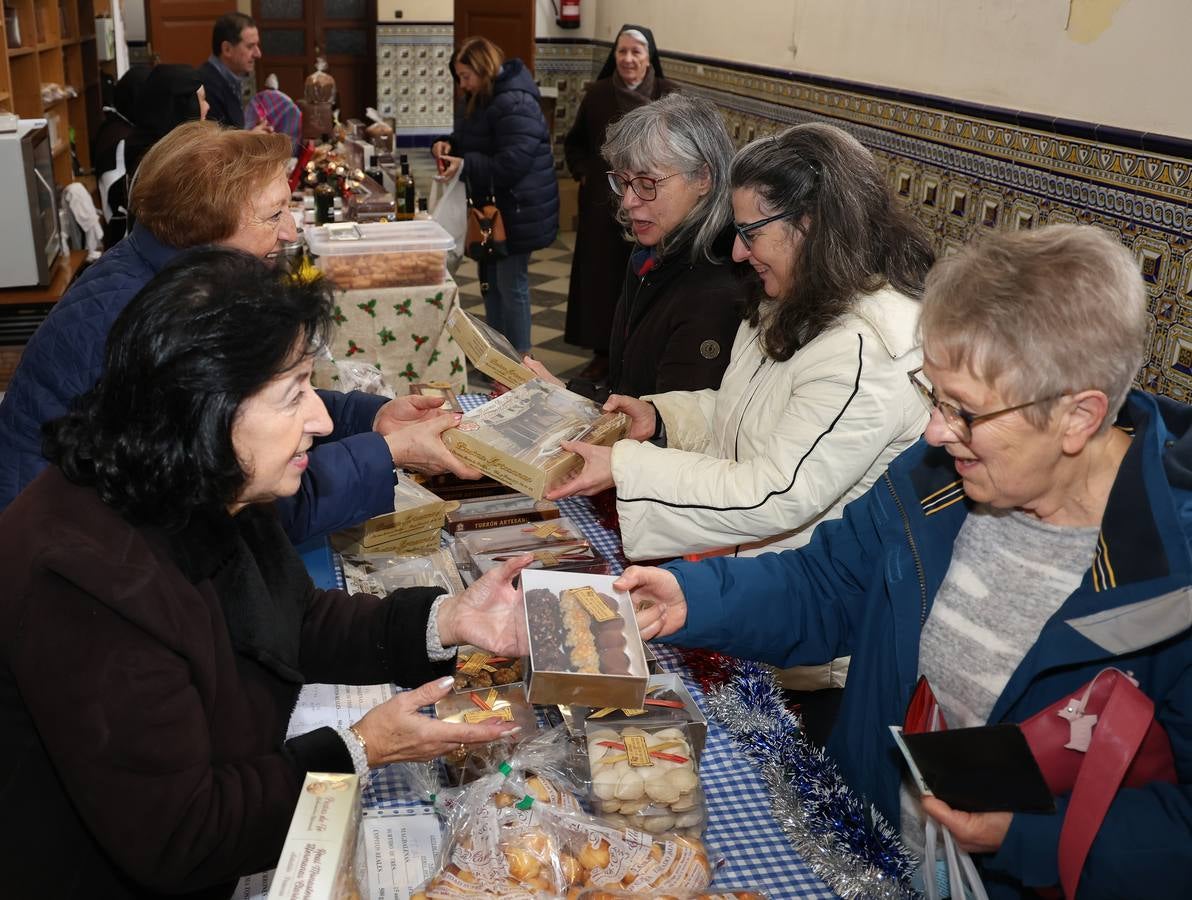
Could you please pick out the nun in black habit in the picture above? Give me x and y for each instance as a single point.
(631, 77)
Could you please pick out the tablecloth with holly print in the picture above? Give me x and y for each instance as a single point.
(402, 331)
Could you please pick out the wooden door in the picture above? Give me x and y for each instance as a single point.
(507, 23)
(180, 30)
(294, 32)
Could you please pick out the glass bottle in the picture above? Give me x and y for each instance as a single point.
(324, 203)
(403, 191)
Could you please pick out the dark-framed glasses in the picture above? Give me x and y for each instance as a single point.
(961, 421)
(644, 186)
(744, 229)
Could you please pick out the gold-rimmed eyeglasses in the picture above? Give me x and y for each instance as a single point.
(644, 186)
(961, 421)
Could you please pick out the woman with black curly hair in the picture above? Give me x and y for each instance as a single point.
(157, 624)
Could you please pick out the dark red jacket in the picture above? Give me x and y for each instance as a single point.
(146, 682)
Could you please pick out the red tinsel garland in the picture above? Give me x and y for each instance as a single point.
(709, 668)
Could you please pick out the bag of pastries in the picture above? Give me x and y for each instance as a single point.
(518, 832)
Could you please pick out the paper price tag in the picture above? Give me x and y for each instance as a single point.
(474, 663)
(601, 713)
(592, 602)
(637, 750)
(473, 716)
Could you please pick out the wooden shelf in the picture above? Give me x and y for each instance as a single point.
(63, 55)
(64, 270)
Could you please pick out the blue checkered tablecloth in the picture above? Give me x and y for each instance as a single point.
(740, 826)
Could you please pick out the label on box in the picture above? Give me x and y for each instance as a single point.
(546, 529)
(592, 602)
(475, 663)
(637, 750)
(601, 713)
(473, 716)
(548, 559)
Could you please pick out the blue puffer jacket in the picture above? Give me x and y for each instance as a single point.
(865, 585)
(505, 145)
(350, 476)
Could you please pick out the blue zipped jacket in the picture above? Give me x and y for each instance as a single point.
(865, 584)
(506, 151)
(350, 476)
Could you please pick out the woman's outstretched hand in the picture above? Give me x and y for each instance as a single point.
(657, 598)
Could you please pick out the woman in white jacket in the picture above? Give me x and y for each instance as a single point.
(816, 401)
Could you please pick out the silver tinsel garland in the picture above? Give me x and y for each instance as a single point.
(853, 850)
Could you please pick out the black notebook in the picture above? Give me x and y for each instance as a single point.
(986, 769)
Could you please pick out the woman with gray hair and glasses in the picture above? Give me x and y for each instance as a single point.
(682, 296)
(815, 402)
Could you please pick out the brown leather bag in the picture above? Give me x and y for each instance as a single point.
(484, 240)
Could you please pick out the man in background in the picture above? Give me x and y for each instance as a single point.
(235, 48)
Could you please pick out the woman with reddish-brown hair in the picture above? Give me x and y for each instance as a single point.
(200, 185)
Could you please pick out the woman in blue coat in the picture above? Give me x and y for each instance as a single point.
(504, 146)
(1038, 535)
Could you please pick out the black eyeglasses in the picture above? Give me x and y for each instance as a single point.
(961, 421)
(743, 230)
(644, 186)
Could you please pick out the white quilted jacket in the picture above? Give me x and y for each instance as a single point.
(780, 446)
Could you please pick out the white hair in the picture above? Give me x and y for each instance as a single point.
(636, 35)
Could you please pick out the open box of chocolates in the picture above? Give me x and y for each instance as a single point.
(507, 702)
(645, 776)
(584, 643)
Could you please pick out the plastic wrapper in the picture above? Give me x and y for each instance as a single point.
(518, 832)
(379, 574)
(507, 702)
(564, 558)
(347, 375)
(515, 438)
(644, 776)
(481, 513)
(521, 538)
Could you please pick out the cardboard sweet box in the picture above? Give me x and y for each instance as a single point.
(584, 644)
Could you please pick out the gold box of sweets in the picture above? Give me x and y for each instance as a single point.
(412, 528)
(487, 349)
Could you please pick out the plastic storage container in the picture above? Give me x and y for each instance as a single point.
(382, 254)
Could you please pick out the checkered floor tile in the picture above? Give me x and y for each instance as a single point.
(549, 273)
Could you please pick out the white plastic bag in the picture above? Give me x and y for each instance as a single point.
(448, 205)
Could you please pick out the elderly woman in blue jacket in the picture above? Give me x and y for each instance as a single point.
(504, 147)
(1036, 536)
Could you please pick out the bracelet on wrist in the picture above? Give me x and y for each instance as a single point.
(360, 739)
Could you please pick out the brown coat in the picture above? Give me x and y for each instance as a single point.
(601, 251)
(146, 682)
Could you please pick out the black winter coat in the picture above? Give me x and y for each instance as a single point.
(673, 329)
(506, 150)
(146, 685)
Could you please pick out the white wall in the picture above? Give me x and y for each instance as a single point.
(1107, 61)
